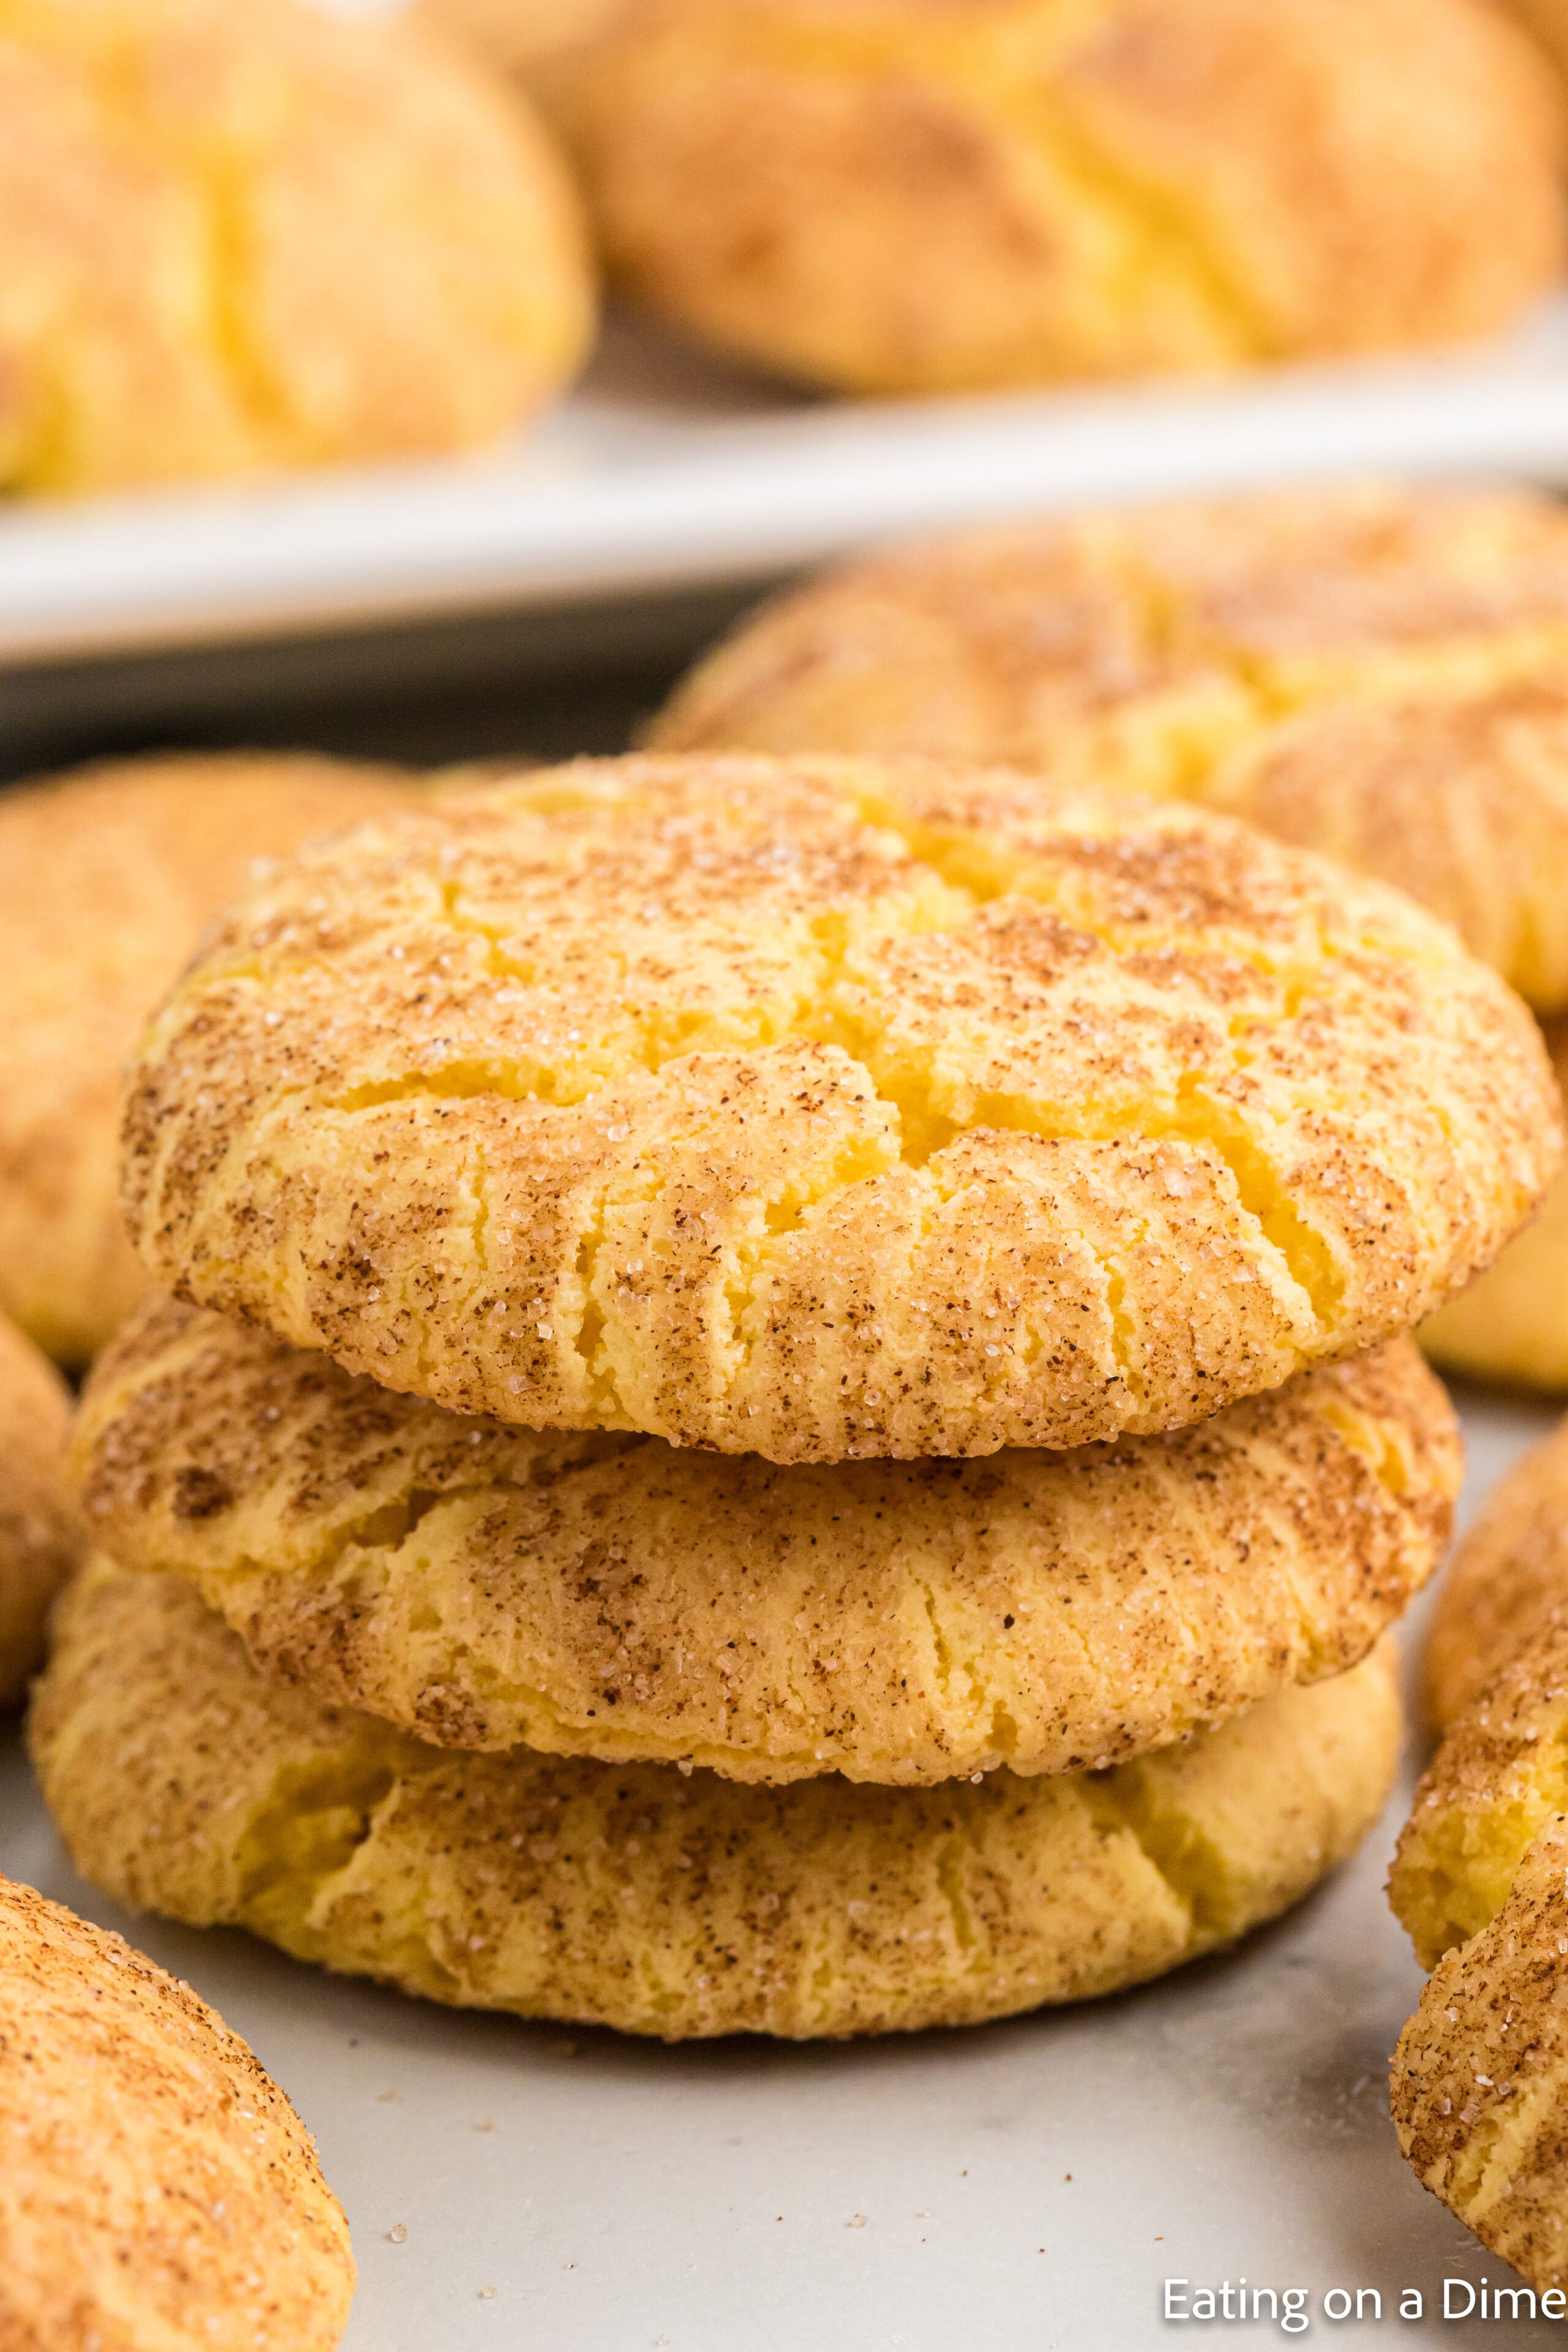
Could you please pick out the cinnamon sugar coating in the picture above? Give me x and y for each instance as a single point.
(1480, 2077)
(823, 1108)
(157, 2190)
(674, 1904)
(1377, 674)
(1509, 1578)
(903, 1622)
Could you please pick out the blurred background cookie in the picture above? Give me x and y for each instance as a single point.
(1376, 673)
(682, 1906)
(1511, 1325)
(107, 877)
(901, 1622)
(933, 195)
(234, 239)
(158, 2193)
(828, 1108)
(40, 1535)
(1379, 675)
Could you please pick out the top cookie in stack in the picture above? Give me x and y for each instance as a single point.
(824, 1108)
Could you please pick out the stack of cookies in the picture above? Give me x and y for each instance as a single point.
(788, 1407)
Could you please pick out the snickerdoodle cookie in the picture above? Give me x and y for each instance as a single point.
(1511, 1323)
(824, 1108)
(678, 1904)
(158, 2193)
(1480, 2077)
(931, 195)
(40, 1535)
(1480, 2080)
(1508, 1575)
(1377, 674)
(250, 238)
(597, 1595)
(107, 878)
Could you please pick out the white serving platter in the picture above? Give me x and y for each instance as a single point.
(665, 470)
(1023, 2188)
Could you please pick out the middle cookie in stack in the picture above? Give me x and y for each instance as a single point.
(806, 1111)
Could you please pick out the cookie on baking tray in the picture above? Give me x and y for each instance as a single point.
(823, 1108)
(902, 1623)
(107, 877)
(158, 2193)
(1375, 673)
(264, 236)
(40, 1532)
(664, 1903)
(937, 195)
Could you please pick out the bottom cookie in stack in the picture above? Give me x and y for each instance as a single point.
(833, 1750)
(682, 1906)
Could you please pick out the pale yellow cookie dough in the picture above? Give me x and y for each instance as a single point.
(894, 1622)
(1377, 674)
(822, 1109)
(108, 878)
(158, 2193)
(935, 195)
(242, 237)
(40, 1533)
(676, 1904)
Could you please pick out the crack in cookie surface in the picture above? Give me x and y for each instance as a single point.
(820, 1109)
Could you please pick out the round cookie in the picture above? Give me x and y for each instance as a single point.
(248, 238)
(902, 1623)
(1498, 1779)
(107, 877)
(1377, 674)
(661, 1903)
(1508, 1576)
(158, 2193)
(1480, 2077)
(937, 195)
(1479, 2080)
(40, 1533)
(1511, 1323)
(825, 1109)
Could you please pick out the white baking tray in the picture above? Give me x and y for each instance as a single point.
(1021, 2188)
(666, 469)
